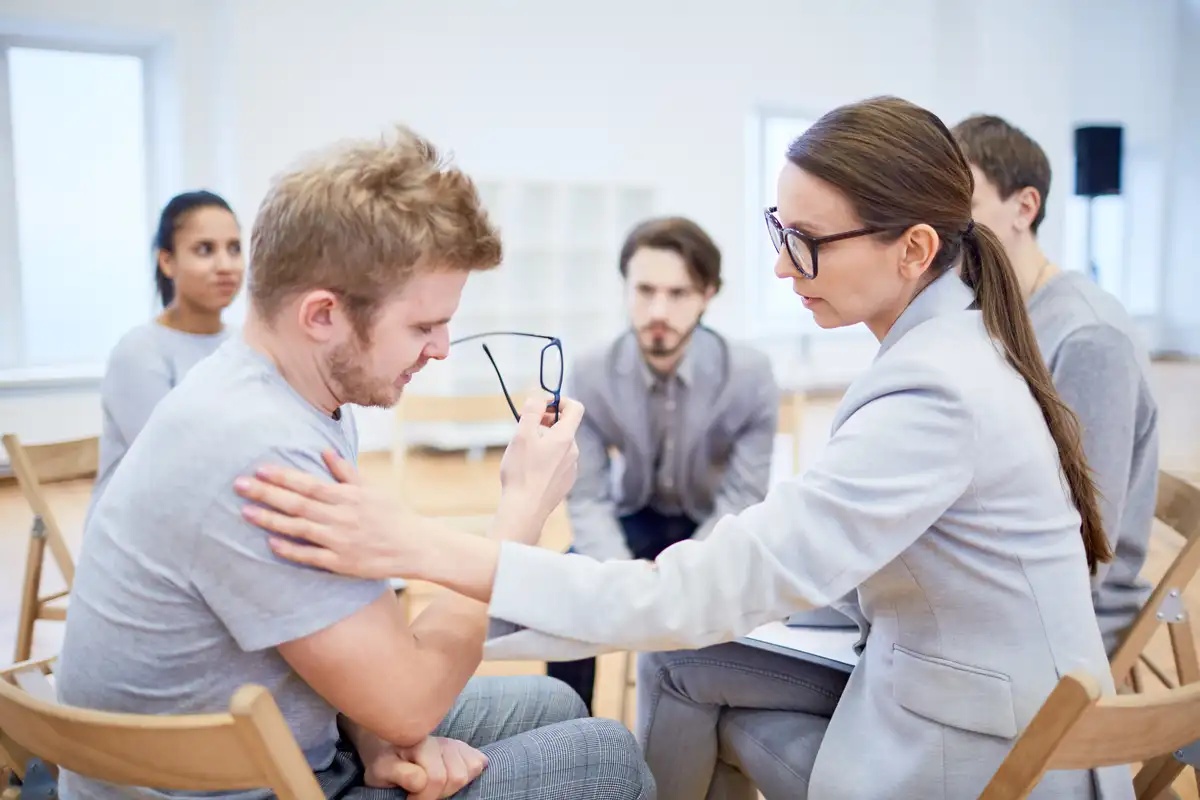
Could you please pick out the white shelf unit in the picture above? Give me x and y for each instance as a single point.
(559, 277)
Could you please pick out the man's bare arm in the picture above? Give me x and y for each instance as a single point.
(393, 679)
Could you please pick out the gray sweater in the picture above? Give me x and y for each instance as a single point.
(145, 364)
(1101, 369)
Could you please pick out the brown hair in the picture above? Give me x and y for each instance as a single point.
(1009, 159)
(899, 166)
(680, 236)
(360, 219)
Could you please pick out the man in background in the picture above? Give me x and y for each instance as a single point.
(680, 423)
(1099, 365)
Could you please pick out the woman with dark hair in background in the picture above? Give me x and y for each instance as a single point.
(952, 505)
(198, 271)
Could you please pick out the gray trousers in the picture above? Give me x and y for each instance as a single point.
(718, 722)
(539, 742)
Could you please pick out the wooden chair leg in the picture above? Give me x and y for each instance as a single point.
(1183, 646)
(1155, 777)
(29, 593)
(404, 597)
(1135, 679)
(628, 682)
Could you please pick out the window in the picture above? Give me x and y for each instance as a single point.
(772, 304)
(76, 271)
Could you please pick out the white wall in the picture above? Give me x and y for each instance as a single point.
(1181, 287)
(628, 90)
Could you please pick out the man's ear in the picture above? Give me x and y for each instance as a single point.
(1029, 202)
(919, 245)
(319, 315)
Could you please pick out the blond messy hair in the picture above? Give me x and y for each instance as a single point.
(363, 217)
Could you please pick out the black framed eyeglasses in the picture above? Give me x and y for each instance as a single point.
(801, 247)
(550, 372)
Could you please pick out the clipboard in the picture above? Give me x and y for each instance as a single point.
(831, 647)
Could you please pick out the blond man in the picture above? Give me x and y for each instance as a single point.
(359, 259)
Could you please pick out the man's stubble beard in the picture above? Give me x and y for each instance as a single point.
(657, 348)
(354, 384)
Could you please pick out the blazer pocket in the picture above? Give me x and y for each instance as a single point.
(954, 694)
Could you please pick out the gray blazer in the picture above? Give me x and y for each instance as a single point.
(939, 497)
(731, 415)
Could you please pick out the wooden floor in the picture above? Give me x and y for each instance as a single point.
(444, 483)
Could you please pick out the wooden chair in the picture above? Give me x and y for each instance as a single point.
(35, 467)
(448, 411)
(1076, 728)
(249, 747)
(1178, 507)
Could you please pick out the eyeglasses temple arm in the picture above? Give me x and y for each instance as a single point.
(503, 388)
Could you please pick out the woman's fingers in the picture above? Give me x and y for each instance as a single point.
(341, 469)
(303, 554)
(289, 501)
(295, 527)
(301, 482)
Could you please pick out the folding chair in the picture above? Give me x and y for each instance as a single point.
(36, 467)
(248, 747)
(1076, 728)
(1179, 508)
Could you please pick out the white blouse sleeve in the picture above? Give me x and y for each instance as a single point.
(890, 470)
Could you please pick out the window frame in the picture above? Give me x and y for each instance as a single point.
(15, 371)
(759, 252)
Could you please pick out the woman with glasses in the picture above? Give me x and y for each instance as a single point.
(952, 503)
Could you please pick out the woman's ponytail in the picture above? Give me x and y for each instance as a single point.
(987, 270)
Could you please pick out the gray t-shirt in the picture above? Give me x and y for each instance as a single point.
(145, 364)
(177, 600)
(1101, 370)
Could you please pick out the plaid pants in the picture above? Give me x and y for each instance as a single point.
(539, 743)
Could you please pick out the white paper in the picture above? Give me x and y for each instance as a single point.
(834, 644)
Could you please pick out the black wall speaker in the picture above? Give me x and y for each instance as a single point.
(1098, 160)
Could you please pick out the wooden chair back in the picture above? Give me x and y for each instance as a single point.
(35, 467)
(1078, 729)
(426, 490)
(469, 408)
(424, 409)
(1178, 507)
(791, 423)
(249, 747)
